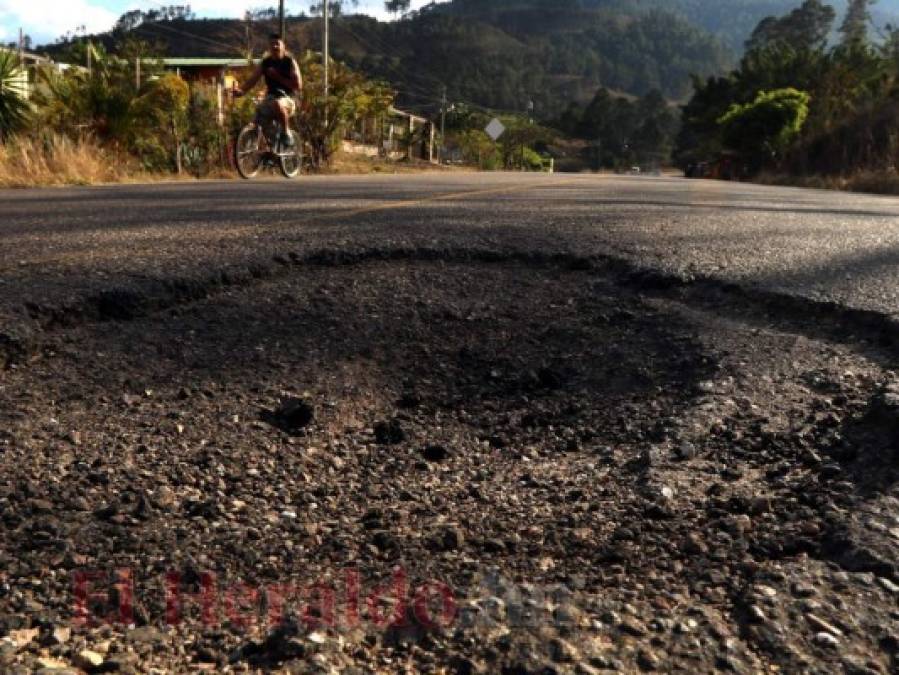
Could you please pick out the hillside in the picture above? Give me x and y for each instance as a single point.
(502, 54)
(547, 52)
(548, 55)
(733, 21)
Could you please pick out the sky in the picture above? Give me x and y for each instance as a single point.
(46, 20)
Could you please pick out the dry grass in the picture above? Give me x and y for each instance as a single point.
(348, 163)
(873, 182)
(876, 182)
(59, 160)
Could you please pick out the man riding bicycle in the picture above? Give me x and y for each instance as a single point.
(283, 83)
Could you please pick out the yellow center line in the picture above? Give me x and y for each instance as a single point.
(420, 201)
(116, 248)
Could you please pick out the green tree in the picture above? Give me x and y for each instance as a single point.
(763, 129)
(350, 97)
(13, 106)
(855, 24)
(478, 149)
(97, 102)
(520, 141)
(396, 7)
(699, 138)
(623, 132)
(656, 129)
(806, 27)
(161, 122)
(129, 21)
(849, 121)
(337, 7)
(776, 66)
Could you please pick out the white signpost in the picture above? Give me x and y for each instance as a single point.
(495, 129)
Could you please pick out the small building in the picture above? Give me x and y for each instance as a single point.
(396, 135)
(225, 71)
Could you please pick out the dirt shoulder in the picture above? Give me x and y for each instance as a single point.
(870, 182)
(64, 163)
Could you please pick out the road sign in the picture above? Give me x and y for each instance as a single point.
(495, 129)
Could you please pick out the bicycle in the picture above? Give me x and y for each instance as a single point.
(259, 145)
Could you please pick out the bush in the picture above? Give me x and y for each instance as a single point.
(160, 121)
(479, 149)
(166, 124)
(531, 160)
(350, 97)
(763, 129)
(205, 137)
(13, 107)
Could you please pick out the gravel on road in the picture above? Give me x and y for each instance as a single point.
(435, 442)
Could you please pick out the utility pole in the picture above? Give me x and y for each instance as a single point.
(90, 63)
(326, 11)
(21, 46)
(282, 20)
(137, 73)
(249, 40)
(443, 125)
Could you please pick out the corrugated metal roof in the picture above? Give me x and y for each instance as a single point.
(403, 113)
(200, 61)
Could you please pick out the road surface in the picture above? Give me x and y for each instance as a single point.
(553, 423)
(58, 247)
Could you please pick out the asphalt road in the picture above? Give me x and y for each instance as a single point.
(700, 478)
(60, 246)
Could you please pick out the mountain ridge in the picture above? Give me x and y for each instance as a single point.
(549, 55)
(504, 54)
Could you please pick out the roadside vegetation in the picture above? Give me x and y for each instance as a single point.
(621, 132)
(813, 100)
(803, 107)
(85, 126)
(55, 159)
(13, 109)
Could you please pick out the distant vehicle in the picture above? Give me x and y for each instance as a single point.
(698, 170)
(725, 167)
(636, 171)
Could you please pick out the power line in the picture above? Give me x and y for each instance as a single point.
(216, 43)
(405, 75)
(160, 25)
(423, 79)
(415, 81)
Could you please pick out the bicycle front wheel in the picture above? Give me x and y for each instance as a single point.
(291, 159)
(248, 151)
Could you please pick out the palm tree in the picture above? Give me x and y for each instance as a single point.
(13, 106)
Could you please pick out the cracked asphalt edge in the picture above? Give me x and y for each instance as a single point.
(21, 338)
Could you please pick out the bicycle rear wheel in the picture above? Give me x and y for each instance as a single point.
(247, 151)
(291, 159)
